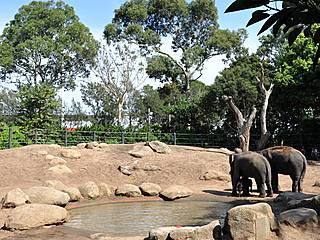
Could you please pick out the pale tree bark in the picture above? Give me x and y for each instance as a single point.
(243, 125)
(121, 70)
(265, 134)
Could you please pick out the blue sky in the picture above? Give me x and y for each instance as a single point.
(97, 13)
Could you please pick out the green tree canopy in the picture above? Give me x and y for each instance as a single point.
(191, 27)
(46, 43)
(292, 17)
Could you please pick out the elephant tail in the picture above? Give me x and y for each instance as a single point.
(304, 169)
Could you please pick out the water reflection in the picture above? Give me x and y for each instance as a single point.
(137, 218)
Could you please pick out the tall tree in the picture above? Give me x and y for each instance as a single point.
(121, 70)
(46, 43)
(191, 27)
(292, 16)
(100, 103)
(38, 107)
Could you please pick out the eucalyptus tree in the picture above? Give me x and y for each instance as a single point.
(191, 27)
(121, 70)
(46, 44)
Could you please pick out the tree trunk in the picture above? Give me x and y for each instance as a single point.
(243, 125)
(265, 134)
(120, 110)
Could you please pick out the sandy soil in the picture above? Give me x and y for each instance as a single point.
(27, 167)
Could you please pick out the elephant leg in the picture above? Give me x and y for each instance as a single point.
(235, 180)
(275, 183)
(300, 184)
(295, 181)
(261, 187)
(269, 188)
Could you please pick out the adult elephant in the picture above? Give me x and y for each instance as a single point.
(254, 165)
(288, 161)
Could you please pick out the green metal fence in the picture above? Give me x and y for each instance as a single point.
(19, 137)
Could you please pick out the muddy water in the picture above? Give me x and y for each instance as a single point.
(137, 218)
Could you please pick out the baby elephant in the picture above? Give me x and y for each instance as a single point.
(244, 186)
(251, 165)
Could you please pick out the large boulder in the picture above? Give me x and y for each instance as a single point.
(207, 232)
(128, 190)
(313, 203)
(14, 198)
(60, 169)
(47, 195)
(81, 145)
(70, 153)
(175, 192)
(286, 197)
(140, 151)
(57, 161)
(35, 215)
(254, 222)
(73, 192)
(89, 190)
(150, 189)
(298, 216)
(92, 145)
(104, 190)
(212, 174)
(159, 147)
(104, 146)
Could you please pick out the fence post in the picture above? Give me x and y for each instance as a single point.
(66, 138)
(147, 136)
(94, 136)
(36, 136)
(10, 137)
(174, 138)
(122, 137)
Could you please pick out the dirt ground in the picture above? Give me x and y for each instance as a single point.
(27, 167)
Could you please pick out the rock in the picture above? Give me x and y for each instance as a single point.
(254, 222)
(89, 190)
(49, 157)
(316, 183)
(286, 197)
(159, 147)
(313, 203)
(128, 190)
(212, 174)
(92, 145)
(140, 151)
(70, 153)
(47, 195)
(100, 236)
(3, 216)
(104, 189)
(35, 215)
(150, 189)
(57, 161)
(175, 192)
(104, 146)
(81, 145)
(151, 168)
(126, 170)
(60, 169)
(206, 232)
(73, 192)
(42, 152)
(14, 198)
(298, 216)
